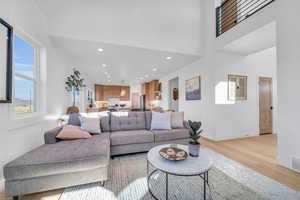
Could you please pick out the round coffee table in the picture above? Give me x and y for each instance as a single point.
(192, 166)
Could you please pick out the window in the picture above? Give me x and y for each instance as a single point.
(237, 87)
(25, 76)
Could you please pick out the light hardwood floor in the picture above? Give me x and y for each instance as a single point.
(258, 153)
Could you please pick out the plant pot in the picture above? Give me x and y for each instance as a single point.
(194, 149)
(72, 109)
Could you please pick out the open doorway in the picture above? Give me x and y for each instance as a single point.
(174, 94)
(265, 85)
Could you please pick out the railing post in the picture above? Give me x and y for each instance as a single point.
(218, 21)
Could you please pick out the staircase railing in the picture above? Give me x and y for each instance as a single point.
(232, 12)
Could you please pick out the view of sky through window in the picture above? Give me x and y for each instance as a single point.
(24, 76)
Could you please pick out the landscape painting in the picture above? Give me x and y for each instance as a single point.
(193, 89)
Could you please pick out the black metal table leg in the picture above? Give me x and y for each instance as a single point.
(167, 186)
(203, 176)
(147, 167)
(204, 189)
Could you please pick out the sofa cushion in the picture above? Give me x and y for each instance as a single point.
(70, 132)
(131, 137)
(62, 157)
(177, 119)
(161, 121)
(104, 121)
(124, 121)
(173, 134)
(90, 124)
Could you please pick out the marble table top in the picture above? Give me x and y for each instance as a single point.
(189, 167)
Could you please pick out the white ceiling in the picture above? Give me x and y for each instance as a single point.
(258, 40)
(165, 25)
(126, 65)
(136, 35)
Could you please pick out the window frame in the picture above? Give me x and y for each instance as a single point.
(240, 77)
(35, 78)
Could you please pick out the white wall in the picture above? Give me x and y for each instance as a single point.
(221, 118)
(288, 41)
(20, 136)
(229, 123)
(200, 110)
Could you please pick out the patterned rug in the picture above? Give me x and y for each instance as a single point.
(229, 181)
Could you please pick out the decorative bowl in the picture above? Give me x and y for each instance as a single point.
(173, 153)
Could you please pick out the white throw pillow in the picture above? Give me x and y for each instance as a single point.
(161, 121)
(90, 124)
(177, 119)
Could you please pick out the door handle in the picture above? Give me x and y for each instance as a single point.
(271, 107)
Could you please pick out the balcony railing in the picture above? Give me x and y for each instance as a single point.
(232, 12)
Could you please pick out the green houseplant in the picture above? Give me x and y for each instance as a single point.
(74, 84)
(195, 134)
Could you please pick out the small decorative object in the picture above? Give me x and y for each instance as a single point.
(90, 98)
(74, 84)
(193, 89)
(175, 94)
(195, 133)
(6, 55)
(173, 153)
(63, 120)
(237, 87)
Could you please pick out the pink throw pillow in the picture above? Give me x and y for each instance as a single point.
(70, 132)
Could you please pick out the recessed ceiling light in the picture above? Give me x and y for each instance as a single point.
(109, 81)
(154, 69)
(142, 78)
(108, 76)
(146, 76)
(100, 50)
(168, 58)
(104, 65)
(105, 73)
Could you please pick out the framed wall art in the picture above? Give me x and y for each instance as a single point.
(193, 89)
(6, 47)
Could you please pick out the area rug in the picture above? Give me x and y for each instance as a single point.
(229, 181)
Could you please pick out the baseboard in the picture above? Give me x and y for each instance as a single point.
(1, 184)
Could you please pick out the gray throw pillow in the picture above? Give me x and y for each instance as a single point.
(90, 124)
(161, 121)
(177, 119)
(74, 119)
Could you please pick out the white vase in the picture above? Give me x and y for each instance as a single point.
(194, 149)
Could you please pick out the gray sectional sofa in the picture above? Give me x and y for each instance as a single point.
(60, 164)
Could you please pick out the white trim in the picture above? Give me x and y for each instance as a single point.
(2, 181)
(36, 78)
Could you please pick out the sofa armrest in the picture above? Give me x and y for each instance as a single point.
(50, 136)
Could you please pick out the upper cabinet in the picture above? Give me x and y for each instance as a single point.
(125, 93)
(152, 90)
(99, 96)
(105, 92)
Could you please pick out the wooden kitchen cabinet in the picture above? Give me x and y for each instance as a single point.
(152, 90)
(99, 93)
(125, 93)
(105, 92)
(111, 91)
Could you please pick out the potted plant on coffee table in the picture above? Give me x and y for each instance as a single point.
(195, 134)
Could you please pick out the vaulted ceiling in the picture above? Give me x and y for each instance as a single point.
(134, 34)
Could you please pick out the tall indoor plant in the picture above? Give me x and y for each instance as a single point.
(195, 134)
(74, 84)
